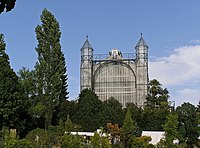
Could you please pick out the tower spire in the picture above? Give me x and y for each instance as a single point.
(141, 42)
(86, 65)
(87, 44)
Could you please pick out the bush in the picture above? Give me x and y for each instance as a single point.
(72, 141)
(22, 144)
(38, 137)
(150, 146)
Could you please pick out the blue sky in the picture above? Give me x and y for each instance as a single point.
(170, 28)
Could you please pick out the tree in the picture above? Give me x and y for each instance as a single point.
(141, 142)
(50, 69)
(112, 112)
(64, 108)
(198, 116)
(136, 113)
(114, 131)
(38, 138)
(72, 141)
(188, 124)
(154, 118)
(13, 101)
(8, 4)
(98, 141)
(157, 108)
(157, 96)
(69, 126)
(171, 129)
(88, 112)
(27, 80)
(129, 130)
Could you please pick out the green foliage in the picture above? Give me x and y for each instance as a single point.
(157, 96)
(13, 101)
(154, 118)
(65, 127)
(198, 117)
(53, 136)
(72, 141)
(188, 123)
(7, 4)
(100, 142)
(171, 130)
(6, 138)
(137, 114)
(38, 137)
(10, 140)
(140, 142)
(117, 146)
(35, 107)
(69, 126)
(88, 111)
(18, 144)
(157, 108)
(112, 112)
(198, 143)
(150, 146)
(50, 70)
(61, 128)
(161, 143)
(27, 80)
(38, 109)
(129, 130)
(64, 108)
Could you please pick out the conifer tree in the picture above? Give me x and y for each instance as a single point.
(50, 69)
(171, 129)
(129, 130)
(12, 96)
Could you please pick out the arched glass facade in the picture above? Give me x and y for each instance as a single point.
(115, 79)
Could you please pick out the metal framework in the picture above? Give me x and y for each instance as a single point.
(123, 77)
(115, 78)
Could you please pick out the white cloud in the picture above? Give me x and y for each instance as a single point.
(179, 72)
(182, 66)
(195, 41)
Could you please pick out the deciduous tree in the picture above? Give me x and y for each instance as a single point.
(188, 124)
(50, 69)
(27, 80)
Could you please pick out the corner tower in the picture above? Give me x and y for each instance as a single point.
(86, 66)
(141, 71)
